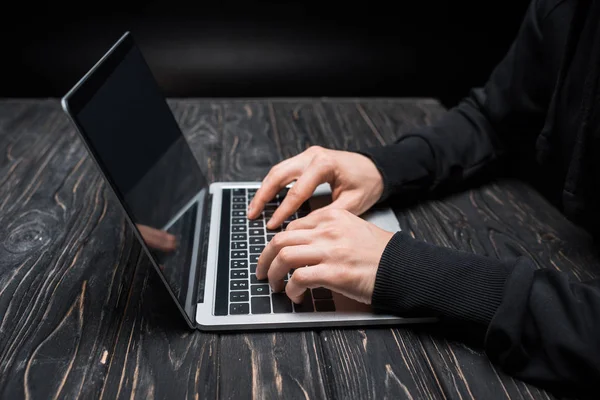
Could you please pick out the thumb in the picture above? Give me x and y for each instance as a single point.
(346, 202)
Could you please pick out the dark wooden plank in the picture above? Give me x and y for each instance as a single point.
(368, 363)
(503, 220)
(156, 355)
(64, 258)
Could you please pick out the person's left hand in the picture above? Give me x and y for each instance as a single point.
(338, 250)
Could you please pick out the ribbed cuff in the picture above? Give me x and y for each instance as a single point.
(418, 279)
(405, 166)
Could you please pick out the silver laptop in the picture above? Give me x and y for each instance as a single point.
(131, 133)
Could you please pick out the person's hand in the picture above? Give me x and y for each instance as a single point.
(158, 239)
(355, 182)
(330, 248)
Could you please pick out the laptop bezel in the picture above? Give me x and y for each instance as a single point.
(73, 102)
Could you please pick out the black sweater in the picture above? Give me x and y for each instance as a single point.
(541, 109)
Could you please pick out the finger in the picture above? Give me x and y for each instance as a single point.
(278, 177)
(279, 241)
(302, 223)
(321, 275)
(310, 221)
(291, 258)
(302, 190)
(344, 202)
(158, 239)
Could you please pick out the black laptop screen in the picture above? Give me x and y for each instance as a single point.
(135, 138)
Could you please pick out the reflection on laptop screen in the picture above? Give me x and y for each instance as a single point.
(136, 139)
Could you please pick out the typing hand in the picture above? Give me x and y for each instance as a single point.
(355, 183)
(342, 252)
(157, 239)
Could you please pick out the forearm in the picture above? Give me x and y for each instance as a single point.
(458, 146)
(538, 325)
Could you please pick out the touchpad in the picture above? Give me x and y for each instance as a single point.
(382, 217)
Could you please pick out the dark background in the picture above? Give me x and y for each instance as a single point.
(264, 48)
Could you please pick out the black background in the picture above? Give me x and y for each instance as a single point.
(264, 48)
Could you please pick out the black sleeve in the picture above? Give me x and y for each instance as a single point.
(539, 325)
(503, 117)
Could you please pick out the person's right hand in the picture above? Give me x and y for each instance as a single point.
(355, 182)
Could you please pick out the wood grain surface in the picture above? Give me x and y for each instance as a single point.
(82, 314)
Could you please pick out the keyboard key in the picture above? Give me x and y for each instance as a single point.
(261, 305)
(256, 224)
(239, 192)
(253, 268)
(259, 290)
(238, 228)
(257, 240)
(281, 303)
(253, 191)
(282, 193)
(238, 296)
(256, 232)
(239, 236)
(278, 229)
(238, 213)
(305, 207)
(239, 254)
(321, 293)
(256, 249)
(306, 305)
(254, 258)
(270, 237)
(238, 199)
(254, 280)
(238, 221)
(238, 285)
(239, 264)
(324, 305)
(239, 274)
(239, 308)
(238, 206)
(239, 245)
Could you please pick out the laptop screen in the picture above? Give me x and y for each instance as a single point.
(131, 130)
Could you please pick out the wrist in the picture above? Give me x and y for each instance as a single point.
(374, 177)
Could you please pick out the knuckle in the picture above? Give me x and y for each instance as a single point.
(284, 255)
(333, 213)
(293, 193)
(301, 276)
(323, 160)
(330, 232)
(277, 240)
(314, 149)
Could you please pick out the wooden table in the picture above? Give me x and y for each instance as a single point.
(83, 314)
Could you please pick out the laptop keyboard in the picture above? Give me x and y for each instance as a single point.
(238, 289)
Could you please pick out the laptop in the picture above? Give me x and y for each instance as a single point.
(131, 133)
